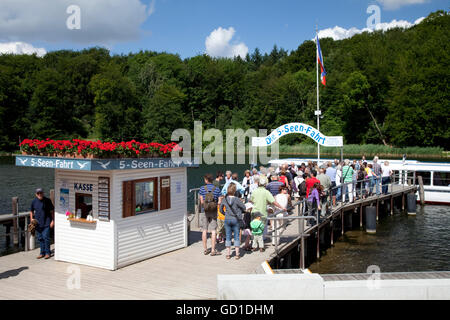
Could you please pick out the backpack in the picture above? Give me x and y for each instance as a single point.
(210, 204)
(302, 188)
(361, 175)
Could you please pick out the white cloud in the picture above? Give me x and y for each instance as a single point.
(339, 33)
(151, 7)
(21, 48)
(396, 4)
(218, 44)
(103, 22)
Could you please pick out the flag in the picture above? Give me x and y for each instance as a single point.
(323, 73)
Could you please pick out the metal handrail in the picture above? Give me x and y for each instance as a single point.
(26, 233)
(313, 214)
(363, 187)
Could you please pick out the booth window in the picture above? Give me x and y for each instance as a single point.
(83, 202)
(140, 196)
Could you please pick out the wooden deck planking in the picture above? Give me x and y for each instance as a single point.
(182, 274)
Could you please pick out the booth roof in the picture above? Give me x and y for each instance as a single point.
(102, 164)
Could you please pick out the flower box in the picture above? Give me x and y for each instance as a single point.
(83, 149)
(81, 220)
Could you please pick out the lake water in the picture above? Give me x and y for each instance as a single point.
(402, 243)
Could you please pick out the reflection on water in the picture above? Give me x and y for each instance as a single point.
(402, 244)
(22, 182)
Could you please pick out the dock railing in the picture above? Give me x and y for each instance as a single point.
(300, 211)
(13, 220)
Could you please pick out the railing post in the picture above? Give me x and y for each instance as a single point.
(318, 233)
(302, 241)
(15, 212)
(196, 215)
(275, 234)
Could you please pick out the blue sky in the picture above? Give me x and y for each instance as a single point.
(181, 26)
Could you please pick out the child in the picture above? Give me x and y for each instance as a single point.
(257, 231)
(246, 232)
(220, 225)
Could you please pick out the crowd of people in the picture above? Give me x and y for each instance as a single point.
(231, 208)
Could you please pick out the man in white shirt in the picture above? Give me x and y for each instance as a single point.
(386, 173)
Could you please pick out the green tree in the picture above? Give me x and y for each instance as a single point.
(117, 112)
(163, 113)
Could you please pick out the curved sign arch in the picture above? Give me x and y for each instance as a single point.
(296, 127)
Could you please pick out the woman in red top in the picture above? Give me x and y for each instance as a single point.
(311, 181)
(283, 178)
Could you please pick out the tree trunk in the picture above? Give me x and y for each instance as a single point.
(376, 125)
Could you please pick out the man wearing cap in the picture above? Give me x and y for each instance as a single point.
(42, 211)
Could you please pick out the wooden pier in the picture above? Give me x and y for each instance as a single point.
(183, 274)
(332, 226)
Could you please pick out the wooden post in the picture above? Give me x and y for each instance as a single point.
(15, 212)
(392, 205)
(403, 201)
(8, 234)
(52, 196)
(361, 215)
(421, 191)
(318, 243)
(377, 209)
(332, 233)
(342, 221)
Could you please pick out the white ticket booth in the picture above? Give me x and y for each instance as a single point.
(126, 210)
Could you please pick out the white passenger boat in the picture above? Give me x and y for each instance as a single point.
(435, 175)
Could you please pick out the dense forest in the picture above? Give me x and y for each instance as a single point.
(382, 87)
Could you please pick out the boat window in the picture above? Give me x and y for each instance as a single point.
(441, 179)
(426, 177)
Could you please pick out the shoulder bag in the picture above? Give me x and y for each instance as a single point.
(241, 222)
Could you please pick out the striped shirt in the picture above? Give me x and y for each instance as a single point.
(347, 173)
(209, 186)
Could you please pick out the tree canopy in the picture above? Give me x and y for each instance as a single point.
(382, 87)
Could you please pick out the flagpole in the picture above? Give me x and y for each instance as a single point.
(317, 81)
